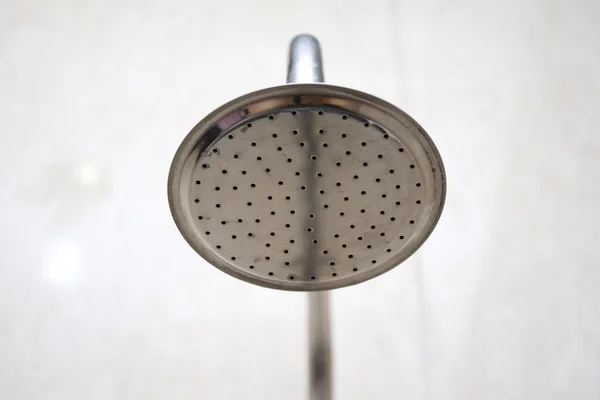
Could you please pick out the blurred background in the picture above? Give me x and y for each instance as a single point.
(101, 298)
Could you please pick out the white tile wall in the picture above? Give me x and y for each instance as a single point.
(100, 297)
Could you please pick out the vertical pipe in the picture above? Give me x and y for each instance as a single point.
(306, 66)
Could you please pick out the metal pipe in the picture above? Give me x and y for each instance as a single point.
(306, 66)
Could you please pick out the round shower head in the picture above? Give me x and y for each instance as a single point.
(306, 187)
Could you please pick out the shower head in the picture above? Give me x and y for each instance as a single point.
(306, 187)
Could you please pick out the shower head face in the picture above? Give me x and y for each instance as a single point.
(306, 187)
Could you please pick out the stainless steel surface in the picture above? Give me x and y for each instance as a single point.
(319, 347)
(305, 65)
(305, 60)
(275, 176)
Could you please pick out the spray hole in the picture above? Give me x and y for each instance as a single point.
(287, 225)
(315, 241)
(352, 226)
(272, 212)
(311, 215)
(251, 267)
(309, 229)
(312, 278)
(338, 164)
(236, 156)
(348, 152)
(272, 233)
(363, 211)
(418, 184)
(267, 170)
(218, 205)
(363, 192)
(233, 237)
(223, 222)
(382, 212)
(321, 131)
(267, 244)
(320, 174)
(240, 220)
(204, 166)
(382, 234)
(289, 160)
(369, 246)
(270, 197)
(344, 246)
(336, 236)
(274, 135)
(287, 197)
(401, 150)
(412, 221)
(293, 112)
(280, 183)
(197, 182)
(325, 252)
(342, 214)
(217, 188)
(386, 136)
(291, 277)
(250, 234)
(207, 232)
(338, 184)
(292, 212)
(287, 263)
(325, 145)
(346, 198)
(218, 246)
(344, 135)
(412, 165)
(398, 203)
(332, 263)
(313, 158)
(393, 219)
(374, 261)
(301, 144)
(271, 117)
(401, 237)
(233, 258)
(253, 144)
(391, 171)
(325, 205)
(270, 274)
(365, 164)
(286, 251)
(354, 269)
(355, 176)
(334, 274)
(350, 256)
(235, 188)
(383, 196)
(360, 238)
(366, 124)
(249, 204)
(249, 125)
(363, 144)
(200, 217)
(253, 185)
(373, 226)
(418, 201)
(389, 250)
(292, 241)
(196, 200)
(230, 136)
(295, 132)
(279, 148)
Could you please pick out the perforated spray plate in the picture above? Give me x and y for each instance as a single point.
(306, 187)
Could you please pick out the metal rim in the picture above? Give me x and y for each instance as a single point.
(293, 95)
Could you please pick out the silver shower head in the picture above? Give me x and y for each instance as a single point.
(306, 187)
